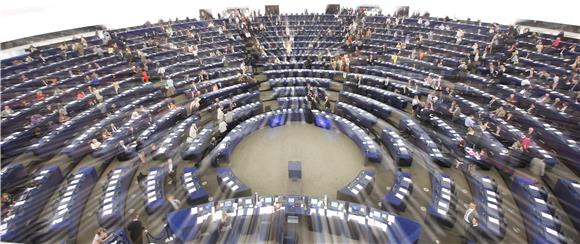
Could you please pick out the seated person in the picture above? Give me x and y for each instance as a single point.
(512, 99)
(106, 134)
(500, 112)
(7, 112)
(557, 103)
(35, 119)
(95, 144)
(171, 106)
(469, 122)
(7, 203)
(531, 108)
(508, 116)
(563, 108)
(545, 98)
(40, 96)
(63, 118)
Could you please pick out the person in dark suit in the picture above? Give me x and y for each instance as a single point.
(136, 229)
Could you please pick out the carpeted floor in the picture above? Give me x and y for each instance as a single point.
(330, 160)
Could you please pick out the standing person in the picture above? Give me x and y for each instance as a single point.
(145, 76)
(415, 105)
(222, 127)
(136, 230)
(192, 133)
(170, 87)
(326, 104)
(171, 171)
(101, 236)
(470, 213)
(472, 230)
(116, 86)
(220, 114)
(175, 203)
(471, 224)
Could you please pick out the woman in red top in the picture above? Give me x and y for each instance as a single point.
(525, 142)
(80, 95)
(145, 76)
(556, 43)
(40, 96)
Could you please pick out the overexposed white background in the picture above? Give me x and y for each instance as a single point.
(22, 18)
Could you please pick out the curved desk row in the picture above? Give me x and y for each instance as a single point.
(112, 207)
(358, 189)
(237, 100)
(208, 98)
(443, 200)
(369, 148)
(396, 147)
(15, 226)
(274, 219)
(356, 115)
(329, 74)
(191, 183)
(390, 98)
(65, 220)
(80, 145)
(568, 193)
(542, 226)
(230, 184)
(300, 81)
(295, 91)
(128, 132)
(375, 107)
(171, 144)
(400, 191)
(162, 123)
(292, 102)
(421, 139)
(199, 145)
(490, 213)
(12, 175)
(154, 191)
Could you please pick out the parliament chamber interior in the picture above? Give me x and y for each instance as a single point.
(258, 126)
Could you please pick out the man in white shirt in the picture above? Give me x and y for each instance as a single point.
(192, 133)
(170, 87)
(135, 114)
(161, 71)
(470, 213)
(220, 114)
(229, 116)
(223, 127)
(471, 225)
